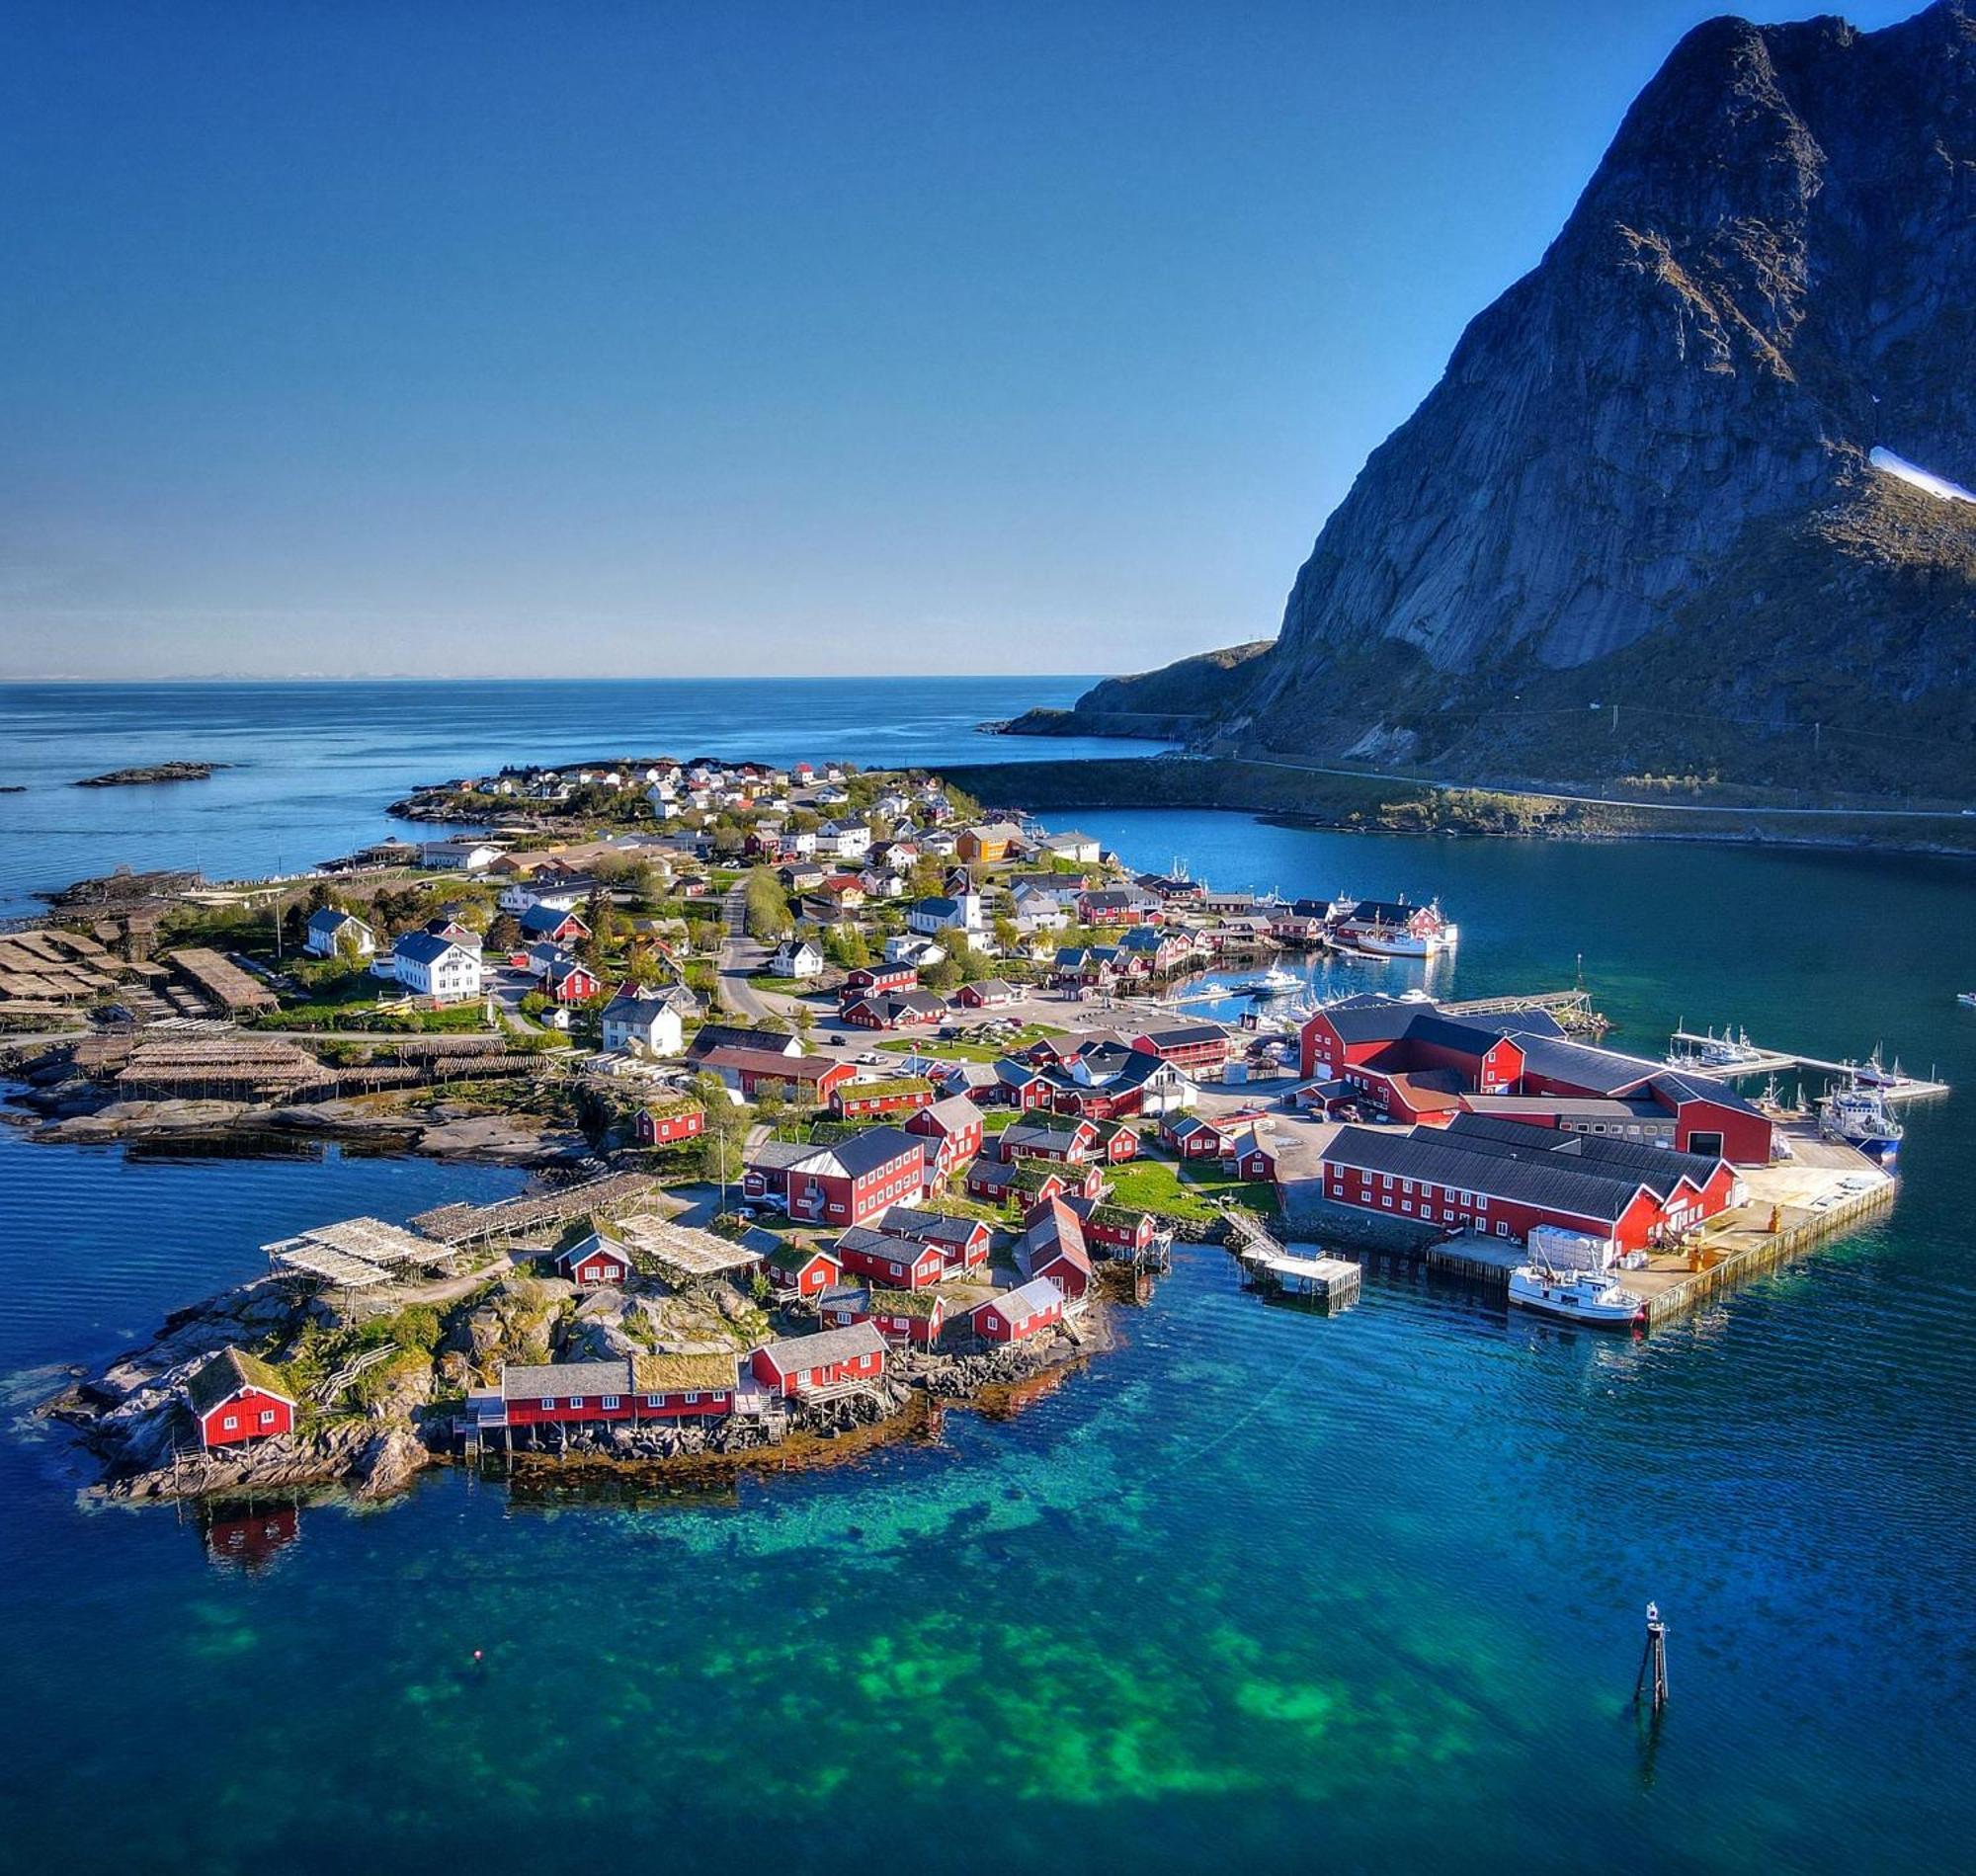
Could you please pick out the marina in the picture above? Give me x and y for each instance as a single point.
(1746, 1059)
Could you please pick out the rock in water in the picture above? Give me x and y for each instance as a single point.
(1645, 476)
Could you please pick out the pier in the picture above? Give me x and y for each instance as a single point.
(1762, 1061)
(1823, 1189)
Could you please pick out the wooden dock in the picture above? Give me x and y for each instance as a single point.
(1781, 1062)
(1332, 1280)
(1807, 1195)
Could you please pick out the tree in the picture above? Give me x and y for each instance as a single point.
(767, 905)
(723, 1140)
(927, 877)
(848, 948)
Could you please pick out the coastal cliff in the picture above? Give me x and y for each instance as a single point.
(1671, 467)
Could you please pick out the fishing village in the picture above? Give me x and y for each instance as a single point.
(844, 1099)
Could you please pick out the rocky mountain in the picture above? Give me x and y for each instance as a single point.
(1649, 474)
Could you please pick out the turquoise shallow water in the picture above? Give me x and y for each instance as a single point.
(1262, 1588)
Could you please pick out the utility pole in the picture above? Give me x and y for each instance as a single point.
(1615, 719)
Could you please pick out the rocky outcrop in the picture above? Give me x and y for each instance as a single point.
(1177, 701)
(153, 772)
(1647, 474)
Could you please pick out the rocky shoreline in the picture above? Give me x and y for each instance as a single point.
(150, 773)
(371, 1441)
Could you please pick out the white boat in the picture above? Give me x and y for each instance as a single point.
(1857, 1114)
(1276, 982)
(1579, 1296)
(1966, 998)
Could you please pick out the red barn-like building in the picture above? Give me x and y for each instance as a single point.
(671, 1124)
(805, 1366)
(236, 1397)
(1032, 1309)
(846, 1182)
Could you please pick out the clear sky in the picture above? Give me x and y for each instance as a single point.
(503, 339)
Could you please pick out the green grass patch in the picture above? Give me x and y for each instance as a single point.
(1170, 1191)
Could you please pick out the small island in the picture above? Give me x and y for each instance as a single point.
(148, 772)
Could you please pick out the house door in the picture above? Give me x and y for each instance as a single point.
(1709, 1144)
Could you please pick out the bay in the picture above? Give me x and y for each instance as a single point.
(1263, 1588)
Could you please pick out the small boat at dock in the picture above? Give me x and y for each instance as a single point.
(1276, 982)
(1857, 1114)
(1579, 1296)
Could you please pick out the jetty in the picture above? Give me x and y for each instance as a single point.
(1771, 1061)
(1825, 1189)
(1275, 1267)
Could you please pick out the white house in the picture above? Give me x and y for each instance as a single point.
(458, 857)
(797, 958)
(1080, 848)
(848, 840)
(961, 912)
(664, 800)
(442, 968)
(647, 1025)
(904, 948)
(334, 933)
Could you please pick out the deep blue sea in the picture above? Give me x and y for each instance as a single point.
(1263, 1591)
(313, 766)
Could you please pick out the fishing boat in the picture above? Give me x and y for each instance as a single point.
(1579, 1296)
(1276, 982)
(1875, 1073)
(1857, 1114)
(1966, 998)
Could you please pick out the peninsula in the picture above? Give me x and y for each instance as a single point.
(844, 1097)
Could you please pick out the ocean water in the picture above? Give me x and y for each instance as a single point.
(1263, 1590)
(314, 765)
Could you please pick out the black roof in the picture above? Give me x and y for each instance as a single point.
(728, 1036)
(1590, 1070)
(1548, 1182)
(1679, 1084)
(1596, 1153)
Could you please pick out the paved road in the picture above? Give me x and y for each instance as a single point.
(1595, 800)
(740, 959)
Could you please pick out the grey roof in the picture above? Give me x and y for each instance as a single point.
(1591, 1071)
(543, 920)
(774, 1154)
(825, 1350)
(1631, 1160)
(928, 1227)
(626, 1007)
(955, 1113)
(852, 1156)
(1026, 1299)
(1545, 1181)
(1681, 1085)
(560, 1380)
(728, 1036)
(332, 919)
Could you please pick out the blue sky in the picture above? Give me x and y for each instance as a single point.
(503, 339)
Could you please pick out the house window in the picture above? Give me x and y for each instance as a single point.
(548, 1407)
(653, 1400)
(576, 1400)
(690, 1399)
(267, 1417)
(229, 1423)
(609, 1403)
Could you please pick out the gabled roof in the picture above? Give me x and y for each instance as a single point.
(884, 1244)
(333, 919)
(930, 1227)
(726, 1035)
(222, 1377)
(1058, 1233)
(824, 1351)
(1679, 1085)
(956, 1114)
(1548, 1182)
(1180, 1035)
(1590, 1070)
(624, 1008)
(795, 1257)
(563, 1380)
(422, 948)
(1026, 1299)
(1661, 1167)
(861, 1153)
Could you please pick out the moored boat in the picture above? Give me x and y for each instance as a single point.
(1579, 1296)
(1858, 1115)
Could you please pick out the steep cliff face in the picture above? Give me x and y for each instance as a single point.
(1660, 436)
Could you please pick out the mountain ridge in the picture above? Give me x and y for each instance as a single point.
(1644, 475)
